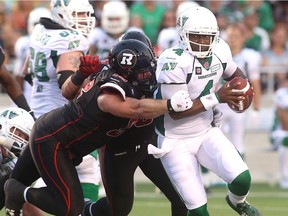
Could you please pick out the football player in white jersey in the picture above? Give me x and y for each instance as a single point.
(55, 47)
(15, 128)
(279, 134)
(188, 139)
(249, 61)
(114, 23)
(22, 48)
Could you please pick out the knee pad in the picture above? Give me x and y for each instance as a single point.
(201, 211)
(241, 184)
(279, 137)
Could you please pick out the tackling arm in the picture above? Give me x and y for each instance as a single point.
(143, 108)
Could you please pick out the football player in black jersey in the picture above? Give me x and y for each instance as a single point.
(120, 157)
(107, 107)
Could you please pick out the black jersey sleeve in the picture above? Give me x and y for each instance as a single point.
(116, 84)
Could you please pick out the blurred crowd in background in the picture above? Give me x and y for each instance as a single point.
(263, 23)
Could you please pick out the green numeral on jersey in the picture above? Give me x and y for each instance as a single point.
(39, 67)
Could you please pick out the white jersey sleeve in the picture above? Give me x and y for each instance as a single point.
(223, 52)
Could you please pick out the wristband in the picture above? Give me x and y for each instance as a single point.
(78, 78)
(21, 102)
(210, 101)
(169, 106)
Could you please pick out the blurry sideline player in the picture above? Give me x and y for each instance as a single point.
(22, 49)
(169, 37)
(16, 125)
(249, 61)
(11, 86)
(55, 47)
(114, 23)
(279, 134)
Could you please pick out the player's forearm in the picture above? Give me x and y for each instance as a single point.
(149, 108)
(69, 90)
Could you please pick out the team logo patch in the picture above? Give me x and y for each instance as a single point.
(198, 70)
(206, 65)
(127, 59)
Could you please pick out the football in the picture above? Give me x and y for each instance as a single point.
(242, 85)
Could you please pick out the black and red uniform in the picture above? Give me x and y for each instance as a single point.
(60, 139)
(119, 160)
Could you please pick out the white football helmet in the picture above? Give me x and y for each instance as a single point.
(198, 21)
(16, 118)
(115, 17)
(34, 17)
(184, 6)
(67, 14)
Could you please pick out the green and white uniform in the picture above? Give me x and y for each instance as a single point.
(192, 140)
(279, 136)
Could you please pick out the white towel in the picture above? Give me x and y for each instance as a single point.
(158, 152)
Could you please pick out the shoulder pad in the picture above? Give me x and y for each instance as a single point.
(176, 55)
(222, 50)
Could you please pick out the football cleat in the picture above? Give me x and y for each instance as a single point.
(243, 209)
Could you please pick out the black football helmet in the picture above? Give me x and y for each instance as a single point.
(134, 61)
(137, 35)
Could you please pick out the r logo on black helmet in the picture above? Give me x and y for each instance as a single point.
(127, 59)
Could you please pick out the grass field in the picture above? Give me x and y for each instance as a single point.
(271, 200)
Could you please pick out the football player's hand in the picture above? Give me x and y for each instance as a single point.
(179, 102)
(11, 145)
(227, 95)
(217, 118)
(89, 65)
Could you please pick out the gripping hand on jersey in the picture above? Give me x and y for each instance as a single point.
(89, 65)
(11, 145)
(217, 118)
(179, 102)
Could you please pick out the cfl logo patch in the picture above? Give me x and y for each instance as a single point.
(127, 59)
